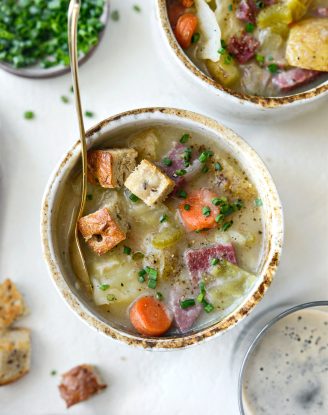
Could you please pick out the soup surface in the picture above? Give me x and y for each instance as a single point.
(287, 372)
(181, 239)
(257, 47)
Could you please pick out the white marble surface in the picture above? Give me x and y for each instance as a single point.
(127, 72)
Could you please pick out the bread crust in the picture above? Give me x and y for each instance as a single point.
(12, 305)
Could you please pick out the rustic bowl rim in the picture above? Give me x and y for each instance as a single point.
(162, 343)
(263, 102)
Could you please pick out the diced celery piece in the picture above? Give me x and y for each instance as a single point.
(226, 74)
(277, 17)
(169, 236)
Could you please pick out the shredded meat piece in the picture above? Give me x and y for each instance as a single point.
(293, 78)
(243, 47)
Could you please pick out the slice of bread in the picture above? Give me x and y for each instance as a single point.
(111, 167)
(149, 183)
(12, 304)
(15, 354)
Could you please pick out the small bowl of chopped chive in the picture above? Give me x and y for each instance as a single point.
(33, 35)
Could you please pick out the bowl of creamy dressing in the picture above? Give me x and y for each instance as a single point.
(285, 370)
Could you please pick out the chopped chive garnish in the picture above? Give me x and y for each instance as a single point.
(163, 218)
(273, 68)
(219, 217)
(186, 206)
(188, 302)
(223, 44)
(230, 7)
(89, 197)
(71, 89)
(64, 99)
(180, 172)
(206, 211)
(216, 201)
(115, 15)
(53, 373)
(182, 194)
(29, 115)
(228, 59)
(103, 287)
(137, 8)
(138, 255)
(217, 166)
(166, 161)
(238, 204)
(227, 225)
(250, 27)
(142, 273)
(205, 169)
(205, 155)
(258, 202)
(127, 250)
(208, 307)
(221, 51)
(186, 163)
(141, 278)
(195, 37)
(133, 198)
(159, 296)
(259, 58)
(89, 114)
(214, 261)
(152, 273)
(152, 283)
(111, 297)
(200, 297)
(184, 138)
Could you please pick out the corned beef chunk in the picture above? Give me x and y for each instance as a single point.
(293, 78)
(184, 318)
(243, 47)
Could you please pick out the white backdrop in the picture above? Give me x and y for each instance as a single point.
(127, 71)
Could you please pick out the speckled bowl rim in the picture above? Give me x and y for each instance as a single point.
(262, 333)
(264, 102)
(269, 266)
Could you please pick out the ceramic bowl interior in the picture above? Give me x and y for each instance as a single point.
(56, 252)
(203, 79)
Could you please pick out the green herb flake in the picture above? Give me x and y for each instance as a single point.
(152, 273)
(103, 287)
(228, 59)
(273, 68)
(218, 166)
(206, 211)
(167, 162)
(141, 279)
(208, 308)
(227, 225)
(258, 202)
(71, 89)
(127, 250)
(142, 273)
(260, 58)
(152, 283)
(195, 37)
(184, 138)
(115, 15)
(205, 169)
(53, 373)
(89, 196)
(29, 115)
(186, 207)
(204, 156)
(214, 261)
(180, 172)
(188, 302)
(159, 296)
(137, 8)
(133, 198)
(89, 114)
(182, 194)
(111, 297)
(230, 8)
(249, 27)
(64, 99)
(221, 51)
(219, 217)
(163, 218)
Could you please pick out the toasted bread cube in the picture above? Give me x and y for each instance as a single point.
(15, 354)
(79, 384)
(149, 183)
(12, 304)
(110, 167)
(145, 143)
(100, 231)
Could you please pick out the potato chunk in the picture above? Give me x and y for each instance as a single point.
(100, 231)
(307, 45)
(224, 73)
(149, 183)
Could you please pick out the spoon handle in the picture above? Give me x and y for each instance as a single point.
(73, 16)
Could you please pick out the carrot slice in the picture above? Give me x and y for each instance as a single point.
(150, 317)
(185, 28)
(175, 10)
(187, 3)
(198, 212)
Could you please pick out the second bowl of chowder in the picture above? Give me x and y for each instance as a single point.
(181, 233)
(248, 59)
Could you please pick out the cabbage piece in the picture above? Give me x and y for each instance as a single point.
(229, 24)
(226, 283)
(210, 41)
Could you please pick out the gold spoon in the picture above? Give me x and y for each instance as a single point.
(76, 253)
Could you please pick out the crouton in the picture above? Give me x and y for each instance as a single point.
(12, 304)
(79, 384)
(145, 143)
(149, 183)
(100, 231)
(110, 167)
(15, 354)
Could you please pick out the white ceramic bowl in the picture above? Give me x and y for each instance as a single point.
(199, 87)
(57, 257)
